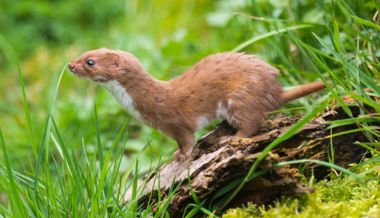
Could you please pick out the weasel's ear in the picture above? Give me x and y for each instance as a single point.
(114, 60)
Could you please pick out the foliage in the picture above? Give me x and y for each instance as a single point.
(61, 158)
(28, 24)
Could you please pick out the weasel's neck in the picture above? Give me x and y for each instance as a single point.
(124, 98)
(138, 94)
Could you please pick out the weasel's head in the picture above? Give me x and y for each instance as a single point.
(103, 65)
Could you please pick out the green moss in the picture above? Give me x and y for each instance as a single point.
(346, 198)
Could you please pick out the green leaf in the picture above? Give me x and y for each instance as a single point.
(270, 34)
(366, 22)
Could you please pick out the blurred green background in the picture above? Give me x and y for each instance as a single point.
(42, 36)
(332, 40)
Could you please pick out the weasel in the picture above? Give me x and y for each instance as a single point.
(237, 87)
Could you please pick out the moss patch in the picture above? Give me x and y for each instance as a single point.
(339, 197)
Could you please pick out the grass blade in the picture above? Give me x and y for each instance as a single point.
(270, 34)
(366, 22)
(15, 200)
(98, 140)
(319, 162)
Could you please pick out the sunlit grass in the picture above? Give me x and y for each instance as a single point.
(69, 150)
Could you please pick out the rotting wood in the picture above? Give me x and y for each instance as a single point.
(214, 165)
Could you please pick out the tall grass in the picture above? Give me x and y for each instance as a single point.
(86, 154)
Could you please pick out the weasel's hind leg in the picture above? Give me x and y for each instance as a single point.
(248, 125)
(249, 114)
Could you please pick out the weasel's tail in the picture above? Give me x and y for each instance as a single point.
(301, 91)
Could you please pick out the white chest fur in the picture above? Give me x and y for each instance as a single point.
(122, 96)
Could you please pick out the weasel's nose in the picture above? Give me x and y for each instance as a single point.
(71, 66)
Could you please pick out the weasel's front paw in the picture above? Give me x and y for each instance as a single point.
(181, 155)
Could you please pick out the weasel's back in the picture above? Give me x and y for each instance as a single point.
(227, 76)
(225, 68)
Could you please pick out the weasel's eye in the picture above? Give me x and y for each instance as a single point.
(90, 62)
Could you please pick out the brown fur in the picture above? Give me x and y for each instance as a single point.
(234, 86)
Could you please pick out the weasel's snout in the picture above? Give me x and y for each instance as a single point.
(71, 67)
(76, 69)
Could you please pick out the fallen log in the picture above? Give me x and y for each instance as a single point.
(213, 165)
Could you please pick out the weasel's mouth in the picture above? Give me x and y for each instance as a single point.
(78, 70)
(73, 68)
(75, 71)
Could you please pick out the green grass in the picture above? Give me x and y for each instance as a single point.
(69, 150)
